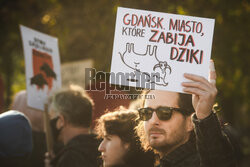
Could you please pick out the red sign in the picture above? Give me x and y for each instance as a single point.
(43, 71)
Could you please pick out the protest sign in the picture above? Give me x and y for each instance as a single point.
(74, 72)
(42, 66)
(153, 50)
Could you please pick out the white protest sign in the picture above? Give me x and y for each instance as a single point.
(42, 66)
(153, 50)
(74, 72)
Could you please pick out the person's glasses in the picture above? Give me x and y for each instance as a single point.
(163, 113)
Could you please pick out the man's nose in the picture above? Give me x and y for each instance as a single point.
(154, 119)
(101, 147)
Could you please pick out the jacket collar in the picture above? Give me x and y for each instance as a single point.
(180, 153)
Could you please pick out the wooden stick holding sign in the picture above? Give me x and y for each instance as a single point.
(48, 132)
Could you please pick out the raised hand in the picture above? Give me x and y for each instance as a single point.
(203, 91)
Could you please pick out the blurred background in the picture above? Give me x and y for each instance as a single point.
(85, 29)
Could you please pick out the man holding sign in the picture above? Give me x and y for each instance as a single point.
(171, 52)
(181, 138)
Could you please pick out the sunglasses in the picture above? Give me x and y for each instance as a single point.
(163, 113)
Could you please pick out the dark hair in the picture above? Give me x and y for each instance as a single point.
(122, 123)
(185, 102)
(75, 105)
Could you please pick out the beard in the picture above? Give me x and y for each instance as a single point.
(163, 147)
(166, 143)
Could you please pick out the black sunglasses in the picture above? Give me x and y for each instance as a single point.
(163, 113)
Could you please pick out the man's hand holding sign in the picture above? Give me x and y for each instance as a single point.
(204, 92)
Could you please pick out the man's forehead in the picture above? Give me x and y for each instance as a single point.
(162, 98)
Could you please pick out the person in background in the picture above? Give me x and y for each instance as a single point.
(36, 118)
(70, 112)
(15, 139)
(120, 146)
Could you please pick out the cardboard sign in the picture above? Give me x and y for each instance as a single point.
(74, 72)
(42, 66)
(153, 50)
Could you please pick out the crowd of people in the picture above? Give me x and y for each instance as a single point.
(171, 130)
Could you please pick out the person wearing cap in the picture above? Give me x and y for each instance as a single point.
(15, 139)
(36, 119)
(182, 128)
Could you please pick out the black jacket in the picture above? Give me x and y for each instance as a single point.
(39, 149)
(81, 151)
(208, 146)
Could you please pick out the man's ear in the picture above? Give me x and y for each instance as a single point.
(189, 123)
(126, 146)
(61, 122)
